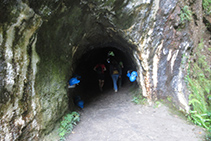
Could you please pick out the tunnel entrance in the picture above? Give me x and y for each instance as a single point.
(88, 87)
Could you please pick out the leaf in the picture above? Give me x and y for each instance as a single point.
(66, 125)
(207, 90)
(62, 133)
(194, 101)
(202, 121)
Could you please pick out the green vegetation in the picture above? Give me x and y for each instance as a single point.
(207, 6)
(67, 124)
(199, 83)
(157, 104)
(138, 98)
(208, 136)
(185, 14)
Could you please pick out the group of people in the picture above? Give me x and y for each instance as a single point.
(115, 71)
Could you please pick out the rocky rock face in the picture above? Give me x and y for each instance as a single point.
(42, 43)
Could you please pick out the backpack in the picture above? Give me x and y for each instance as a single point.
(115, 69)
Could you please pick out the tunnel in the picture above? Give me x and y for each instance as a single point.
(64, 53)
(66, 47)
(45, 44)
(88, 86)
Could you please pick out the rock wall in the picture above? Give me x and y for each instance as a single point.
(42, 43)
(19, 58)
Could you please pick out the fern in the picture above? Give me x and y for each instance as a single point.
(185, 14)
(199, 83)
(207, 6)
(67, 124)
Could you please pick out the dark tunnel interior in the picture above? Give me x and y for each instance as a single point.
(88, 86)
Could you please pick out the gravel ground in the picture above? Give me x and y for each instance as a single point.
(113, 117)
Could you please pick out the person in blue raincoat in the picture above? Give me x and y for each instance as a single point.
(132, 75)
(73, 82)
(78, 101)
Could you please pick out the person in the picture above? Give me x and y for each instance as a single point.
(132, 75)
(115, 72)
(74, 81)
(120, 76)
(78, 101)
(100, 69)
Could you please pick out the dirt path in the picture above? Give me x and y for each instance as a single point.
(113, 117)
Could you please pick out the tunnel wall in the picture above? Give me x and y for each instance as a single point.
(19, 58)
(41, 44)
(161, 47)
